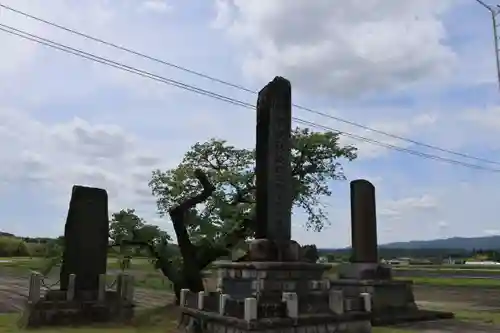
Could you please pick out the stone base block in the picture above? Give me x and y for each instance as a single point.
(55, 310)
(266, 250)
(364, 271)
(392, 301)
(257, 279)
(193, 320)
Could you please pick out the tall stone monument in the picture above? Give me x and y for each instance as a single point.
(275, 290)
(392, 301)
(364, 251)
(363, 222)
(273, 173)
(82, 297)
(273, 162)
(86, 237)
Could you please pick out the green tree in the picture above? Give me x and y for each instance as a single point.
(209, 223)
(123, 224)
(330, 257)
(127, 228)
(315, 162)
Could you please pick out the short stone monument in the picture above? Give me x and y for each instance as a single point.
(275, 289)
(392, 301)
(82, 297)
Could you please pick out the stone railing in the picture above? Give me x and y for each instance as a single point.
(124, 288)
(250, 309)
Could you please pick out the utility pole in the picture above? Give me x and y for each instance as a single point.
(494, 11)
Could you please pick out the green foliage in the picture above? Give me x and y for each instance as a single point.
(330, 257)
(13, 247)
(127, 225)
(315, 162)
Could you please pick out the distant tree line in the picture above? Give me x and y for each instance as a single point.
(432, 255)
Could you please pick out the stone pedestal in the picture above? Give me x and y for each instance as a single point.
(73, 307)
(364, 271)
(275, 297)
(392, 301)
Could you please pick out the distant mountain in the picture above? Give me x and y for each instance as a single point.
(454, 243)
(485, 243)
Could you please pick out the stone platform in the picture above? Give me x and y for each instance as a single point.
(72, 307)
(392, 301)
(275, 297)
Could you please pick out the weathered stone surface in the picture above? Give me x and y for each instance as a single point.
(86, 238)
(354, 323)
(257, 279)
(275, 289)
(390, 301)
(273, 161)
(264, 249)
(55, 310)
(364, 271)
(82, 298)
(363, 222)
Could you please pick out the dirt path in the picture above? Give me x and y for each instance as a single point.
(460, 298)
(456, 299)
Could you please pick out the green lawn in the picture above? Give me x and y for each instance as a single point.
(161, 322)
(449, 269)
(454, 282)
(450, 266)
(36, 263)
(145, 274)
(484, 317)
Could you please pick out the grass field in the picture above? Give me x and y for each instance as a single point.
(442, 293)
(449, 266)
(145, 274)
(453, 282)
(449, 269)
(165, 322)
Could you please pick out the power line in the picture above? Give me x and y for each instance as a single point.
(240, 87)
(152, 76)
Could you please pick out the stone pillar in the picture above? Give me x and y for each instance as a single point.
(363, 222)
(86, 237)
(273, 162)
(101, 292)
(70, 292)
(34, 288)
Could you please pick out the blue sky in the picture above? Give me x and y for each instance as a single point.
(420, 69)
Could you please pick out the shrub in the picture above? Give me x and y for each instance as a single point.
(13, 247)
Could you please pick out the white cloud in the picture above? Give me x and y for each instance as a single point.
(487, 118)
(348, 49)
(160, 6)
(66, 121)
(396, 209)
(443, 224)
